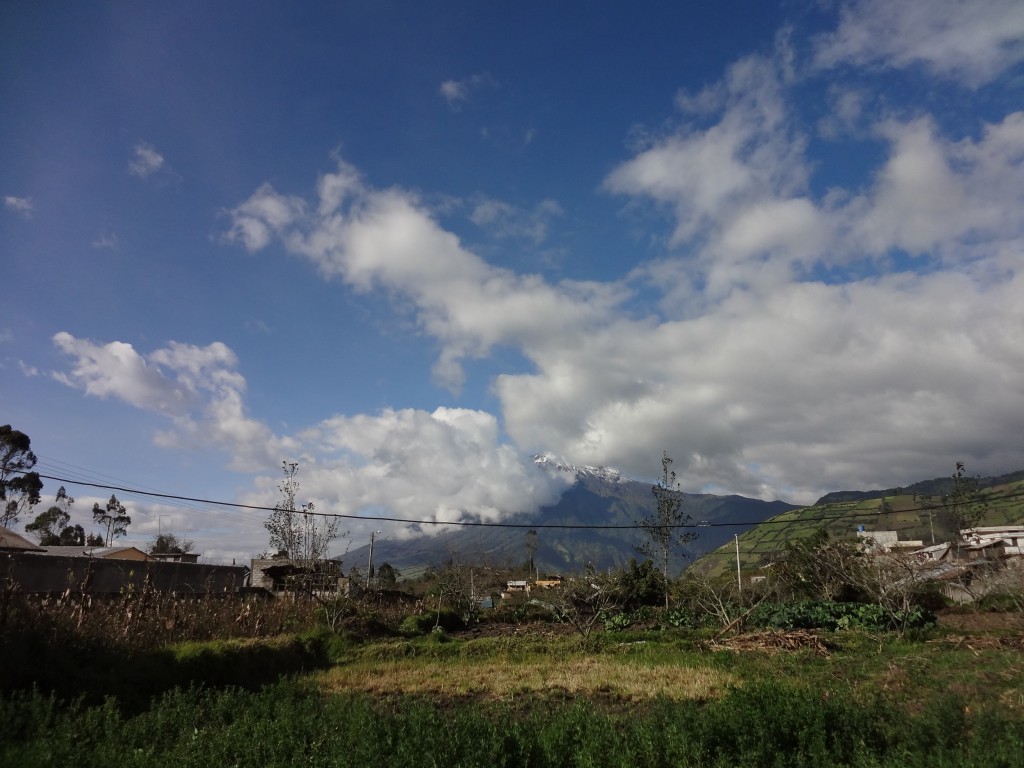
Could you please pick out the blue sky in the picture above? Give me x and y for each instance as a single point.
(411, 244)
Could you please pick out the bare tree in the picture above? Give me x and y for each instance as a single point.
(663, 529)
(586, 598)
(302, 535)
(454, 587)
(964, 505)
(894, 580)
(714, 597)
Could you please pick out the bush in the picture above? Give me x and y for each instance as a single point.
(822, 614)
(424, 623)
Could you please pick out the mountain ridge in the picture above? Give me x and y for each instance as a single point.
(598, 496)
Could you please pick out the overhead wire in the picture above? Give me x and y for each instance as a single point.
(494, 524)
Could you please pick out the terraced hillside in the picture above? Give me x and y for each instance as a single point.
(915, 513)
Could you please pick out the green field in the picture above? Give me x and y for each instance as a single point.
(536, 696)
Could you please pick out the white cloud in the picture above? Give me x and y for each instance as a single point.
(22, 206)
(751, 155)
(756, 376)
(106, 240)
(267, 213)
(458, 92)
(504, 220)
(938, 196)
(145, 160)
(196, 387)
(446, 465)
(972, 42)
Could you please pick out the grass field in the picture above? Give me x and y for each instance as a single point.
(536, 696)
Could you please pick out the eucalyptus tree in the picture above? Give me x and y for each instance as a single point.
(19, 485)
(112, 519)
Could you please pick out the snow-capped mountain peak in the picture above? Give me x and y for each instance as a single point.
(550, 461)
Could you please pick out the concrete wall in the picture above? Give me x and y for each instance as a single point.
(46, 574)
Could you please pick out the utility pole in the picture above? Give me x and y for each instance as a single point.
(369, 565)
(739, 581)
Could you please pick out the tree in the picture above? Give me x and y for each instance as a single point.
(113, 519)
(453, 585)
(964, 505)
(94, 540)
(642, 583)
(818, 568)
(50, 525)
(586, 598)
(531, 547)
(19, 486)
(169, 544)
(663, 528)
(299, 532)
(72, 536)
(387, 575)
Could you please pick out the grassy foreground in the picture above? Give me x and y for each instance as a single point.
(765, 724)
(655, 699)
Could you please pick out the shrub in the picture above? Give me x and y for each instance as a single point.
(423, 623)
(823, 614)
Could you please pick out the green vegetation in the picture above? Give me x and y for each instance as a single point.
(796, 719)
(663, 689)
(929, 515)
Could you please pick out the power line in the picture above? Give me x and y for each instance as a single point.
(485, 524)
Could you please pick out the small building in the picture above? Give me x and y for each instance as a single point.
(13, 542)
(995, 541)
(936, 553)
(885, 541)
(519, 585)
(99, 553)
(278, 574)
(175, 557)
(548, 582)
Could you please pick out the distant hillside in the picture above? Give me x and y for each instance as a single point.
(937, 487)
(916, 512)
(600, 496)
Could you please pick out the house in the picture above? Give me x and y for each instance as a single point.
(994, 542)
(518, 585)
(12, 542)
(548, 582)
(936, 553)
(278, 574)
(175, 557)
(99, 553)
(885, 541)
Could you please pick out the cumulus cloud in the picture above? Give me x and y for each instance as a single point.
(145, 161)
(803, 341)
(447, 465)
(934, 195)
(22, 206)
(197, 388)
(267, 213)
(798, 340)
(387, 239)
(971, 42)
